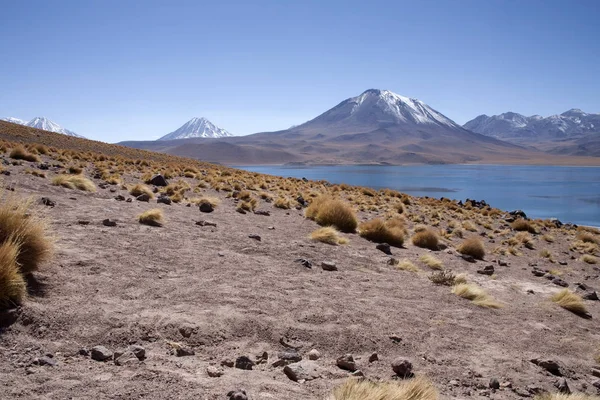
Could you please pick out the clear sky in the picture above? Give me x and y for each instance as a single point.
(136, 70)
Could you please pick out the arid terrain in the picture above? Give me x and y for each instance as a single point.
(204, 295)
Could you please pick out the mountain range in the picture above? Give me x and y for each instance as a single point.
(197, 128)
(375, 127)
(43, 124)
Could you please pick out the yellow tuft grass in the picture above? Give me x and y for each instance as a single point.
(74, 182)
(380, 231)
(472, 247)
(328, 235)
(431, 261)
(213, 201)
(417, 388)
(330, 212)
(476, 294)
(18, 223)
(570, 301)
(523, 226)
(283, 203)
(20, 153)
(589, 259)
(153, 217)
(12, 284)
(588, 237)
(406, 265)
(139, 189)
(561, 396)
(427, 239)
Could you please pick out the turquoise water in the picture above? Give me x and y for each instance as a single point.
(571, 194)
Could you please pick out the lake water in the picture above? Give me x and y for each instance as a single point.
(571, 194)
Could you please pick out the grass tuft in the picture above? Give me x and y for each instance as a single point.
(13, 288)
(328, 235)
(476, 294)
(139, 189)
(427, 239)
(153, 217)
(380, 231)
(20, 153)
(570, 301)
(417, 388)
(74, 182)
(330, 212)
(472, 247)
(431, 261)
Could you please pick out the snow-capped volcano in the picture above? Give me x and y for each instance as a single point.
(384, 108)
(43, 124)
(197, 128)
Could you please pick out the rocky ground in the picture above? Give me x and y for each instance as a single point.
(195, 310)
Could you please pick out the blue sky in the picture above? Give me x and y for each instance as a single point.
(120, 70)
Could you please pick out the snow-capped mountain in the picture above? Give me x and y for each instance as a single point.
(197, 128)
(384, 108)
(572, 123)
(43, 124)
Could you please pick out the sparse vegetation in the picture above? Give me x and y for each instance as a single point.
(472, 247)
(283, 203)
(570, 301)
(523, 226)
(331, 212)
(412, 389)
(444, 277)
(406, 265)
(431, 261)
(562, 396)
(380, 231)
(476, 294)
(140, 189)
(12, 284)
(426, 238)
(328, 235)
(152, 217)
(589, 259)
(74, 182)
(20, 153)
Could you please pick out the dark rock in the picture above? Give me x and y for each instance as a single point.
(549, 365)
(373, 357)
(5, 172)
(487, 270)
(44, 166)
(227, 363)
(502, 263)
(184, 351)
(84, 352)
(214, 372)
(328, 266)
(164, 199)
(287, 357)
(302, 371)
(590, 295)
(109, 222)
(518, 214)
(47, 202)
(560, 282)
(301, 201)
(187, 330)
(120, 198)
(244, 362)
(562, 386)
(596, 372)
(83, 222)
(346, 362)
(494, 384)
(358, 373)
(129, 200)
(126, 358)
(255, 237)
(402, 367)
(395, 338)
(538, 272)
(238, 394)
(262, 358)
(138, 351)
(262, 212)
(45, 361)
(241, 210)
(385, 248)
(304, 262)
(206, 207)
(562, 263)
(158, 180)
(101, 353)
(206, 223)
(143, 197)
(596, 384)
(468, 258)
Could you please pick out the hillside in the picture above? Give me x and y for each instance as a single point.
(234, 279)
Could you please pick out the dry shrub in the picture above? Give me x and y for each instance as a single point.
(417, 388)
(213, 201)
(249, 205)
(328, 235)
(13, 288)
(588, 237)
(468, 225)
(431, 261)
(379, 231)
(570, 301)
(476, 294)
(331, 212)
(283, 203)
(74, 182)
(73, 170)
(427, 239)
(548, 238)
(562, 396)
(406, 265)
(20, 225)
(139, 189)
(445, 277)
(20, 153)
(152, 217)
(523, 226)
(472, 247)
(589, 259)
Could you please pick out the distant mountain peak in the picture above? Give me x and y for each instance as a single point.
(44, 124)
(197, 127)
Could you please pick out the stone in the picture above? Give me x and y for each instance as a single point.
(214, 372)
(109, 222)
(287, 357)
(385, 248)
(487, 270)
(206, 207)
(262, 212)
(304, 262)
(164, 199)
(562, 386)
(468, 258)
(187, 330)
(358, 373)
(502, 263)
(143, 197)
(138, 351)
(538, 272)
(494, 384)
(206, 223)
(262, 358)
(244, 362)
(596, 384)
(237, 394)
(126, 358)
(227, 363)
(314, 354)
(549, 365)
(47, 202)
(129, 200)
(101, 353)
(346, 362)
(560, 282)
(395, 338)
(255, 237)
(373, 357)
(120, 198)
(84, 352)
(590, 295)
(302, 371)
(518, 213)
(402, 367)
(596, 372)
(328, 266)
(562, 263)
(158, 180)
(45, 361)
(83, 222)
(183, 351)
